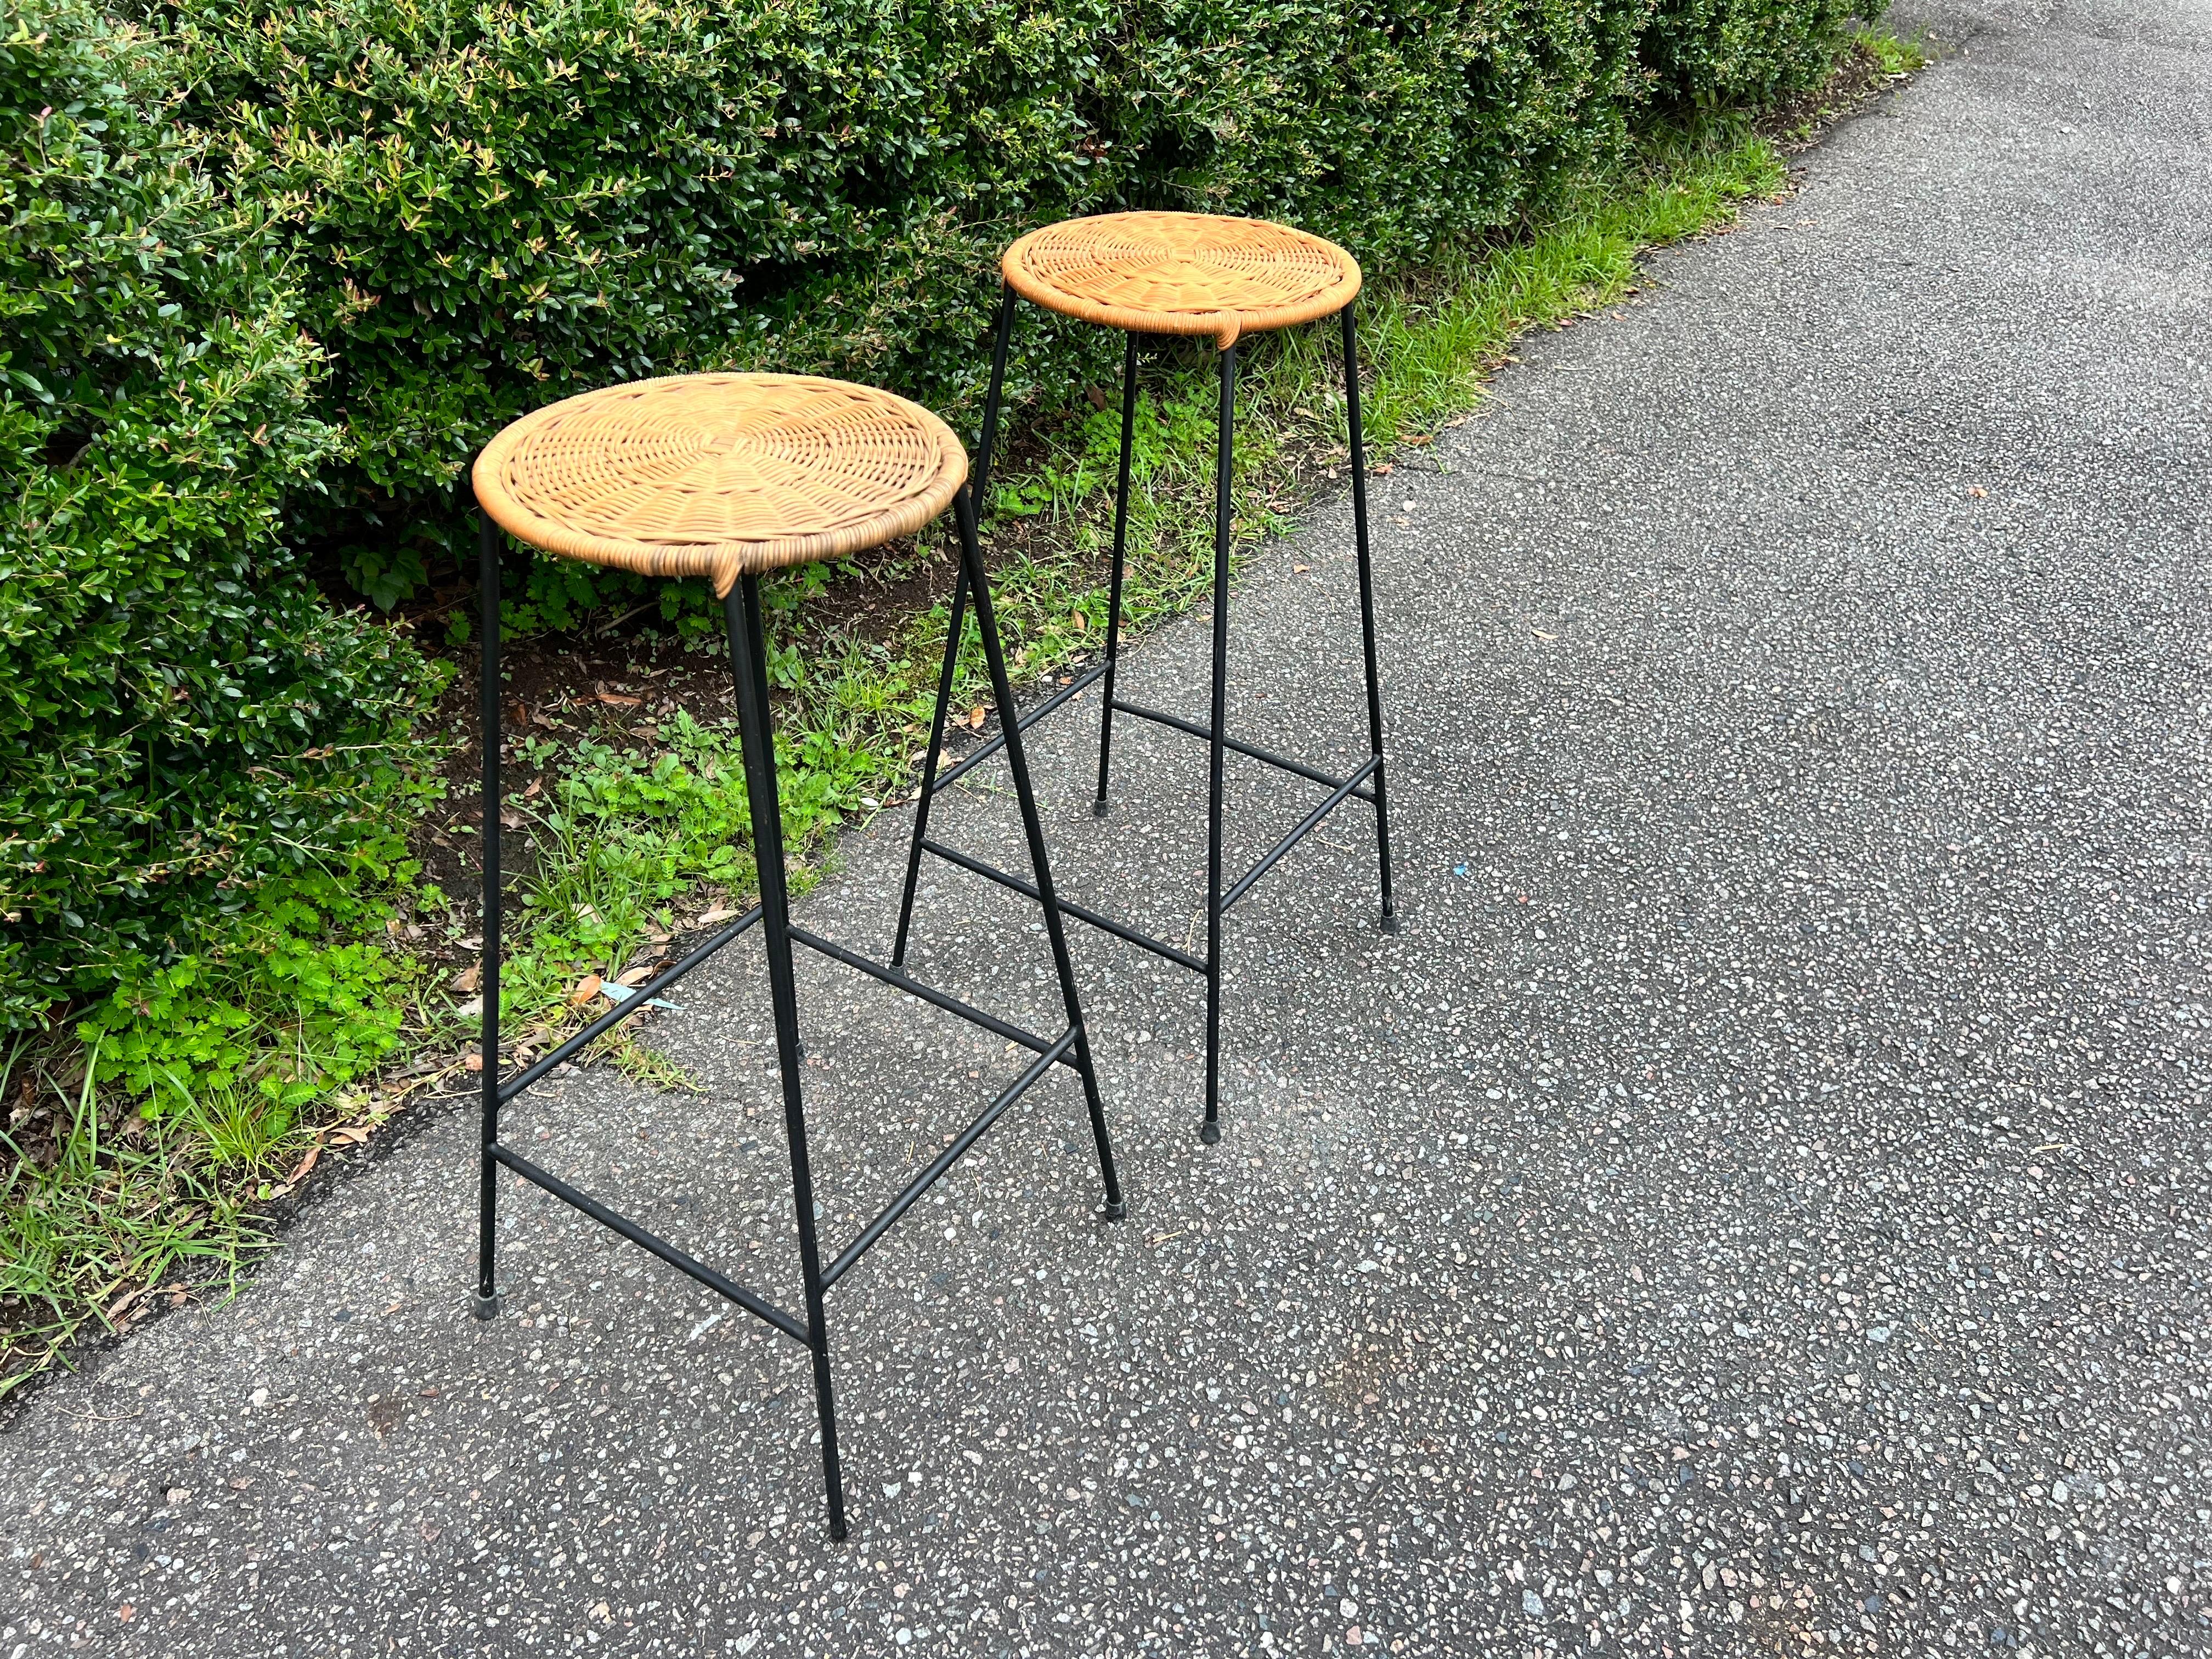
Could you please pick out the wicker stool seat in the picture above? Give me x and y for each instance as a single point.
(720, 476)
(1182, 273)
(727, 475)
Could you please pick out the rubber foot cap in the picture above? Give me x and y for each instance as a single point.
(1097, 809)
(1209, 1132)
(1116, 1211)
(1391, 924)
(484, 1307)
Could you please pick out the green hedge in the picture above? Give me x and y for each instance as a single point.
(181, 714)
(1714, 53)
(504, 202)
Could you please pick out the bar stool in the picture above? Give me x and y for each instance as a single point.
(727, 475)
(1199, 274)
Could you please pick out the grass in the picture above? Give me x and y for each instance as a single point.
(1892, 54)
(91, 1231)
(111, 1202)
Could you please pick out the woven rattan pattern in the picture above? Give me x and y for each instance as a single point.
(720, 475)
(1182, 273)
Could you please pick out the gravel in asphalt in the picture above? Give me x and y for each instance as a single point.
(1757, 1204)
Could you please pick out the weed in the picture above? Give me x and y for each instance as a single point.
(86, 1235)
(1892, 54)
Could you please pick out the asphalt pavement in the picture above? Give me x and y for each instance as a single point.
(1757, 1203)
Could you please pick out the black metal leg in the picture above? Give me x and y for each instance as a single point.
(944, 680)
(748, 660)
(1367, 608)
(1222, 477)
(1001, 337)
(1113, 588)
(485, 1303)
(987, 622)
(1001, 333)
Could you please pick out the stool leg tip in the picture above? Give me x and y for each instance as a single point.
(1209, 1132)
(482, 1306)
(1389, 921)
(1098, 807)
(1115, 1212)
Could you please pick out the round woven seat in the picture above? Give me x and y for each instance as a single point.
(720, 476)
(1182, 273)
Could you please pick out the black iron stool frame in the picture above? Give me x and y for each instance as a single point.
(748, 660)
(1365, 781)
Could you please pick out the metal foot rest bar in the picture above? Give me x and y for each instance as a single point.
(969, 762)
(1068, 907)
(1051, 1054)
(921, 1183)
(1341, 790)
(1311, 821)
(905, 981)
(575, 1197)
(1177, 722)
(622, 1011)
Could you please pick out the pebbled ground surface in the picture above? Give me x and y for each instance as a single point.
(1758, 1204)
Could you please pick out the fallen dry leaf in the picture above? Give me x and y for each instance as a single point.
(587, 988)
(116, 1309)
(351, 1134)
(474, 1062)
(621, 702)
(976, 717)
(719, 914)
(537, 786)
(634, 977)
(299, 1173)
(1082, 622)
(511, 818)
(1384, 471)
(470, 977)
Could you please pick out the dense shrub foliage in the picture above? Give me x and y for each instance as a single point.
(1712, 53)
(181, 716)
(506, 202)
